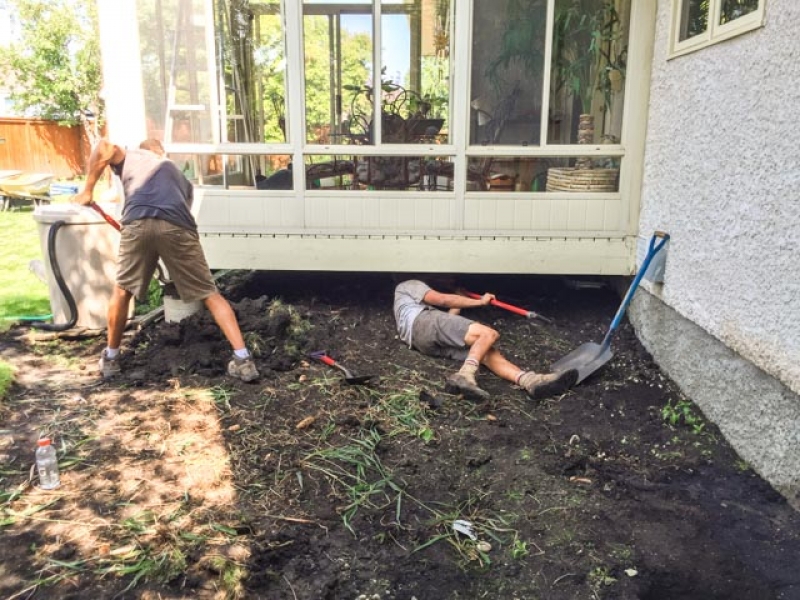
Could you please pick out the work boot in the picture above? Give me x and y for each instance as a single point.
(243, 368)
(540, 386)
(109, 367)
(461, 384)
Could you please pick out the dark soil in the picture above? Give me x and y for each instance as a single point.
(179, 482)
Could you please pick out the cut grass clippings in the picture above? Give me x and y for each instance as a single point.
(21, 292)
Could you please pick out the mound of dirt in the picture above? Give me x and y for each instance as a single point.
(179, 482)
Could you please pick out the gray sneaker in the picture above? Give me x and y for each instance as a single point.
(109, 367)
(459, 384)
(552, 384)
(243, 368)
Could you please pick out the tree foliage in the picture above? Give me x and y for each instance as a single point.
(55, 65)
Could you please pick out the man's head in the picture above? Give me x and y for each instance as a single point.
(439, 281)
(153, 145)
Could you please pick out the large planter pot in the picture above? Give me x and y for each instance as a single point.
(572, 179)
(585, 136)
(583, 177)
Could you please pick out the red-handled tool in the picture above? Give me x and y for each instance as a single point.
(109, 219)
(511, 308)
(323, 357)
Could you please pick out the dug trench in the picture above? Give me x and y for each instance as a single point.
(180, 482)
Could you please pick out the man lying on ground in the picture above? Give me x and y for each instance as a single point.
(435, 332)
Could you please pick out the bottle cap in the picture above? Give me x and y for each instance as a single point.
(44, 442)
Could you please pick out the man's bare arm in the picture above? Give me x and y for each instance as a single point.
(103, 155)
(451, 301)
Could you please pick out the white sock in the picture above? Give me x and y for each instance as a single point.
(112, 353)
(243, 353)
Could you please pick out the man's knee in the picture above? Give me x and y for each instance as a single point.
(478, 331)
(121, 295)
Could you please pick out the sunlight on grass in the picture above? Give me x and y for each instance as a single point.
(21, 292)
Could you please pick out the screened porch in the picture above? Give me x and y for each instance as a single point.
(510, 136)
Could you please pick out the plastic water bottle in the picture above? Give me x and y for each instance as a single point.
(47, 465)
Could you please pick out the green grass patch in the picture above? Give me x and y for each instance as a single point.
(6, 378)
(21, 292)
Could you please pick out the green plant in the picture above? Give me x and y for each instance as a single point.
(357, 470)
(155, 296)
(587, 52)
(522, 41)
(519, 549)
(600, 577)
(221, 396)
(6, 378)
(55, 62)
(681, 412)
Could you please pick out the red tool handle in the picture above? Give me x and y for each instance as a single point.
(321, 356)
(499, 304)
(109, 219)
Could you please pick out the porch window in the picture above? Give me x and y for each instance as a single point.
(700, 23)
(363, 94)
(343, 88)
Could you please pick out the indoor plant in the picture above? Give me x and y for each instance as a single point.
(588, 59)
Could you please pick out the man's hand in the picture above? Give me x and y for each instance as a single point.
(84, 197)
(487, 299)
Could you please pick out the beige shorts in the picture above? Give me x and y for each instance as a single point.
(438, 333)
(144, 241)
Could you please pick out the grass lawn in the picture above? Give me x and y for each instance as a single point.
(21, 292)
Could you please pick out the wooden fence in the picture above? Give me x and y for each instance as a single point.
(36, 145)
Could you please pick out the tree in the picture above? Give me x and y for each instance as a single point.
(55, 65)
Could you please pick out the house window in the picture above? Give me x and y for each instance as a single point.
(700, 23)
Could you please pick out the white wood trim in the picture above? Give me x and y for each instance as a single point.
(561, 150)
(295, 104)
(715, 32)
(544, 127)
(459, 122)
(422, 254)
(215, 83)
(635, 109)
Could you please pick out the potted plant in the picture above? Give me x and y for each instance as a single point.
(522, 41)
(587, 59)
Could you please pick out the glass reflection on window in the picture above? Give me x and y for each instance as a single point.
(508, 41)
(590, 45)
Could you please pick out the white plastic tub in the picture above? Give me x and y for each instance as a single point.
(86, 253)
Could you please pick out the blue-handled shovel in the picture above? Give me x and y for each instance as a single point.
(590, 356)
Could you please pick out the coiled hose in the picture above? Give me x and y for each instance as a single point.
(62, 285)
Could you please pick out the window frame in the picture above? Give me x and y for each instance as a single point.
(714, 32)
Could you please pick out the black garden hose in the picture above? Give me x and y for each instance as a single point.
(62, 285)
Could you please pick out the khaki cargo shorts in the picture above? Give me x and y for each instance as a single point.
(144, 241)
(437, 333)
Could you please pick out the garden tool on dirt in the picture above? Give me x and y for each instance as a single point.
(590, 356)
(511, 308)
(322, 356)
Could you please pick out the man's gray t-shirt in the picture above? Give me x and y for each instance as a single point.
(154, 189)
(408, 305)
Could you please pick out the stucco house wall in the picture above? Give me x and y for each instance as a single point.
(722, 176)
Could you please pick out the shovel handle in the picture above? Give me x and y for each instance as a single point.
(324, 358)
(509, 307)
(652, 250)
(109, 219)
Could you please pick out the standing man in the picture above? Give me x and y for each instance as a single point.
(447, 334)
(157, 223)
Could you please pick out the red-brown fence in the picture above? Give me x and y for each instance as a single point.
(40, 146)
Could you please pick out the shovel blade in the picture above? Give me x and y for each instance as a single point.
(357, 379)
(586, 359)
